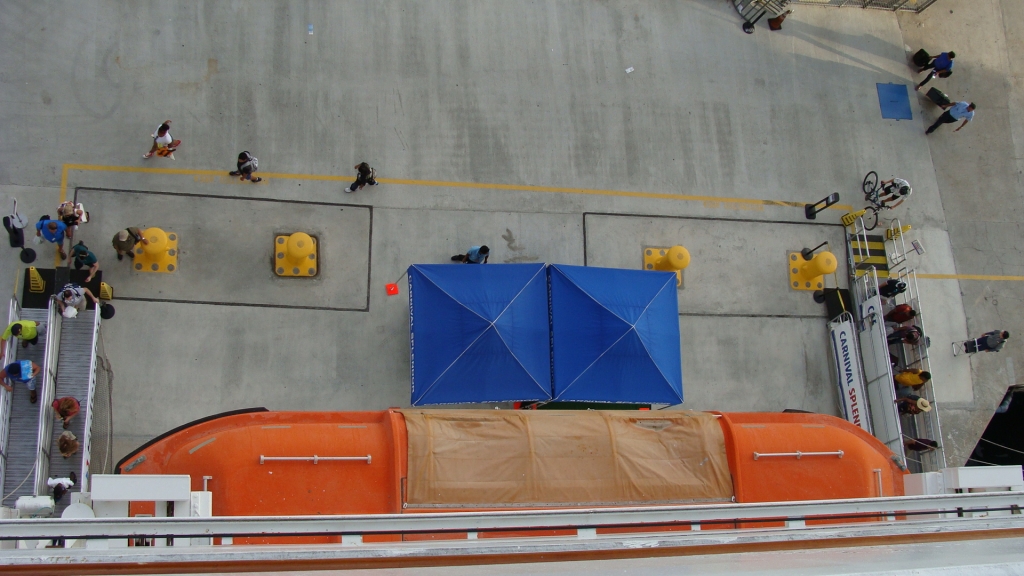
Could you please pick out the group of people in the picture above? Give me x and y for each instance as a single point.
(164, 145)
(941, 66)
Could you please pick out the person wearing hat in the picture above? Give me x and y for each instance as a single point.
(72, 297)
(24, 371)
(66, 408)
(125, 240)
(913, 404)
(28, 331)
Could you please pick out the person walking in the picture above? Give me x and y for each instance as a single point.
(900, 314)
(125, 240)
(913, 404)
(163, 143)
(941, 66)
(891, 288)
(247, 164)
(66, 408)
(919, 444)
(83, 257)
(52, 231)
(913, 378)
(62, 485)
(959, 111)
(72, 215)
(28, 331)
(475, 255)
(364, 175)
(905, 335)
(988, 342)
(24, 371)
(74, 296)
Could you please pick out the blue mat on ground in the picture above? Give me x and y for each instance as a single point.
(894, 100)
(479, 333)
(615, 335)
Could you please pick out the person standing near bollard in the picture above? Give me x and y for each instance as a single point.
(247, 164)
(364, 175)
(941, 66)
(988, 342)
(959, 111)
(53, 231)
(475, 255)
(125, 240)
(83, 257)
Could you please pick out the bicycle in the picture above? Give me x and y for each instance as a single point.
(871, 188)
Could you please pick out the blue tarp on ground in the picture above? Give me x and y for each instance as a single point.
(615, 335)
(479, 333)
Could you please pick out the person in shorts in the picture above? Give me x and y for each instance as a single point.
(24, 371)
(247, 164)
(125, 240)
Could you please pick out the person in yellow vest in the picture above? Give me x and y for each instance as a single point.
(913, 377)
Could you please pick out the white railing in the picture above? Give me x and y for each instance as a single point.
(84, 475)
(315, 459)
(857, 510)
(13, 315)
(47, 389)
(798, 454)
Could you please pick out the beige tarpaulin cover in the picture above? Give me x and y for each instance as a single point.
(538, 457)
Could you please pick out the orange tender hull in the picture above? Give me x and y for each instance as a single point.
(228, 448)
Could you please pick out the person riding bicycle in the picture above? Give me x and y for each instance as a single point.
(896, 189)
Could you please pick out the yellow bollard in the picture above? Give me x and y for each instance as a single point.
(295, 255)
(677, 258)
(159, 254)
(809, 274)
(673, 259)
(36, 285)
(891, 234)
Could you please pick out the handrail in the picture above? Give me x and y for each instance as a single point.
(899, 250)
(798, 454)
(199, 527)
(84, 474)
(13, 315)
(314, 458)
(48, 387)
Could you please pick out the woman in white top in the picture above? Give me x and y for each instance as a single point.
(163, 143)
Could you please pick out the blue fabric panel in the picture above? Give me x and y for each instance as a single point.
(479, 333)
(894, 100)
(615, 335)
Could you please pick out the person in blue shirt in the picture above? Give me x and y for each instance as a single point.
(53, 231)
(475, 255)
(959, 111)
(941, 66)
(24, 371)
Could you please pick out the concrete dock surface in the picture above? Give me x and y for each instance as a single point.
(513, 124)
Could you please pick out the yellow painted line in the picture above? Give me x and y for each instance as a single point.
(712, 201)
(993, 278)
(871, 260)
(871, 245)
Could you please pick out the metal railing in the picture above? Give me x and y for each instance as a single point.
(84, 474)
(916, 6)
(13, 315)
(48, 388)
(951, 507)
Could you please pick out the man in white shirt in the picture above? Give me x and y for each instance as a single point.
(959, 111)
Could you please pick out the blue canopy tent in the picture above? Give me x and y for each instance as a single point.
(615, 335)
(479, 333)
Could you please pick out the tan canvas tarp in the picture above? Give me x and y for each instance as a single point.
(538, 457)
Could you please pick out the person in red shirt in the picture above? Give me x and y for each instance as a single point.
(900, 314)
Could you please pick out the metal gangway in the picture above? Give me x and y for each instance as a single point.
(887, 424)
(29, 433)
